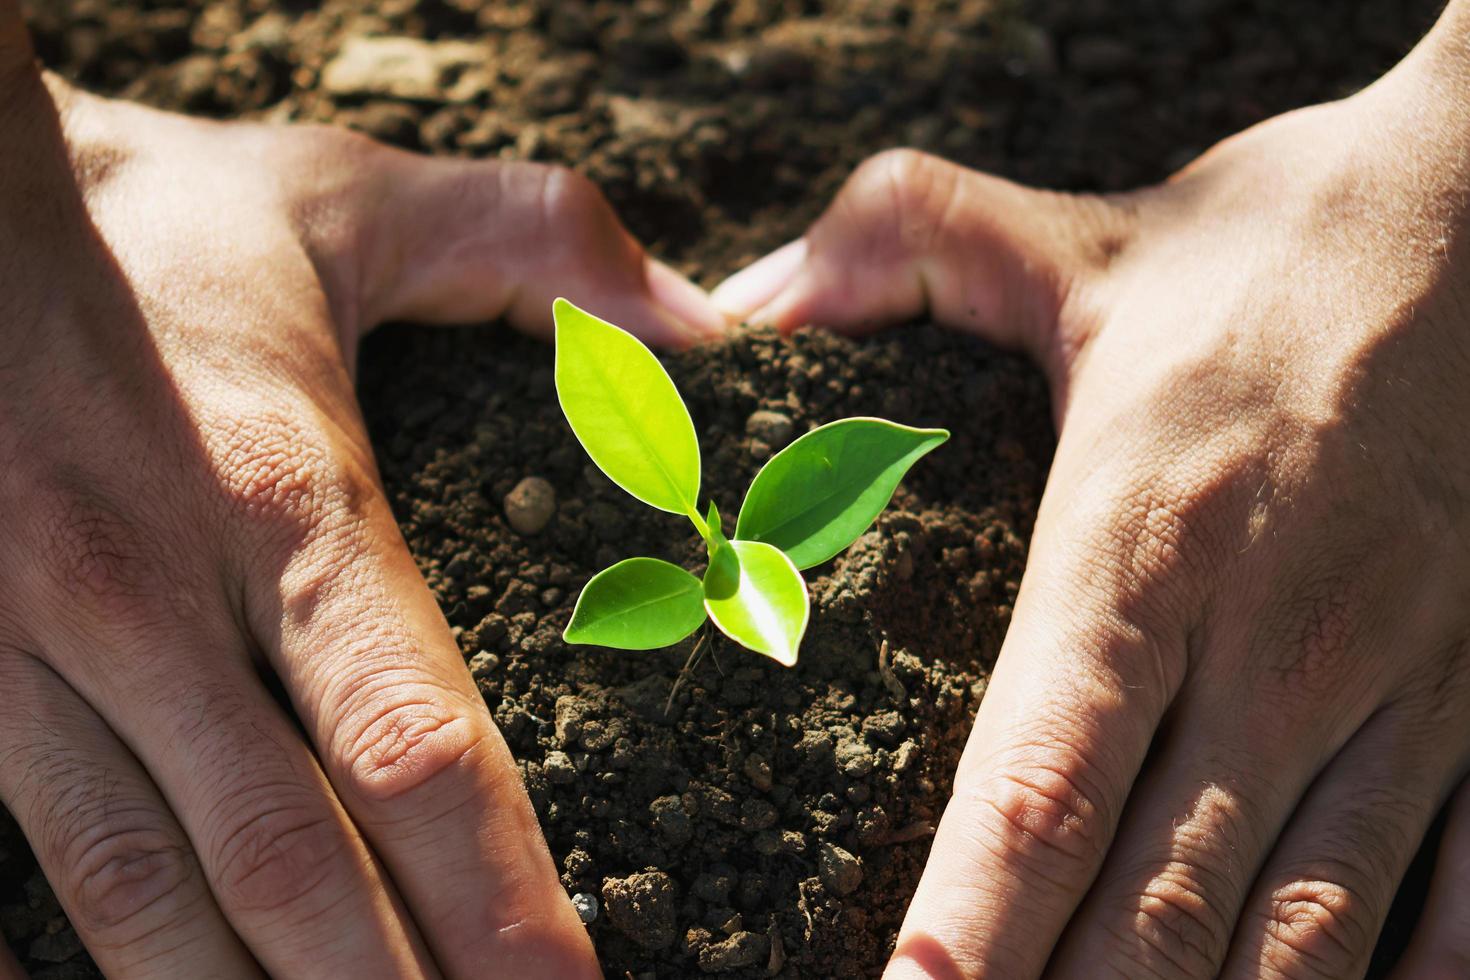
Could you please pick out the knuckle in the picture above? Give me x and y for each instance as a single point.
(277, 853)
(101, 559)
(126, 880)
(397, 730)
(1176, 926)
(1318, 929)
(567, 194)
(273, 472)
(1181, 916)
(904, 196)
(1052, 817)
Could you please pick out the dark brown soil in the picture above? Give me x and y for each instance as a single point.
(772, 821)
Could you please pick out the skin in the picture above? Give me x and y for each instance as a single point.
(190, 505)
(1236, 688)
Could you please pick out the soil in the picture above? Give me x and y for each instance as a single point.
(764, 821)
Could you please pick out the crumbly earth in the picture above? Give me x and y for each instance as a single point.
(762, 821)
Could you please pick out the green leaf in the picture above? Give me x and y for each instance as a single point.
(637, 604)
(625, 410)
(755, 594)
(715, 536)
(813, 498)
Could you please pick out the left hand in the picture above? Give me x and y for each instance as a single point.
(1236, 688)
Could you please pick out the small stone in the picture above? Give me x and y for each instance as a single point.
(642, 907)
(854, 758)
(530, 504)
(559, 768)
(586, 905)
(772, 428)
(397, 67)
(840, 871)
(743, 949)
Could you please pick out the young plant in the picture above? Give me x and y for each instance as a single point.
(809, 502)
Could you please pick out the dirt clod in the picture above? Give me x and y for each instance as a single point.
(840, 871)
(642, 907)
(740, 949)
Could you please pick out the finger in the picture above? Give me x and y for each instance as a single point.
(1196, 830)
(119, 862)
(910, 233)
(1077, 692)
(405, 736)
(1319, 903)
(453, 241)
(286, 866)
(1440, 948)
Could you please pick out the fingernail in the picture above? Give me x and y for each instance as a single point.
(757, 284)
(684, 300)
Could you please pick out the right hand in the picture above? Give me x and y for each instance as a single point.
(188, 499)
(1236, 686)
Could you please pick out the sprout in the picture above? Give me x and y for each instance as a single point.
(808, 503)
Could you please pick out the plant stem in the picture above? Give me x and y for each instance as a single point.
(699, 524)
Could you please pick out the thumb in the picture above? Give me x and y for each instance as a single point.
(453, 241)
(910, 234)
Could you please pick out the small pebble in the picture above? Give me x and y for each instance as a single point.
(840, 871)
(529, 506)
(772, 428)
(586, 905)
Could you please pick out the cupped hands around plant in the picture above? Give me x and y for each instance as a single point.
(808, 502)
(1236, 688)
(188, 499)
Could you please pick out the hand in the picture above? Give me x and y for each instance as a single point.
(1236, 689)
(188, 499)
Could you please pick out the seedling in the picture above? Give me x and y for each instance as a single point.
(808, 503)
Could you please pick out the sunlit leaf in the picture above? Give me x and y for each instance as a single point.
(625, 410)
(813, 498)
(757, 597)
(637, 604)
(715, 534)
